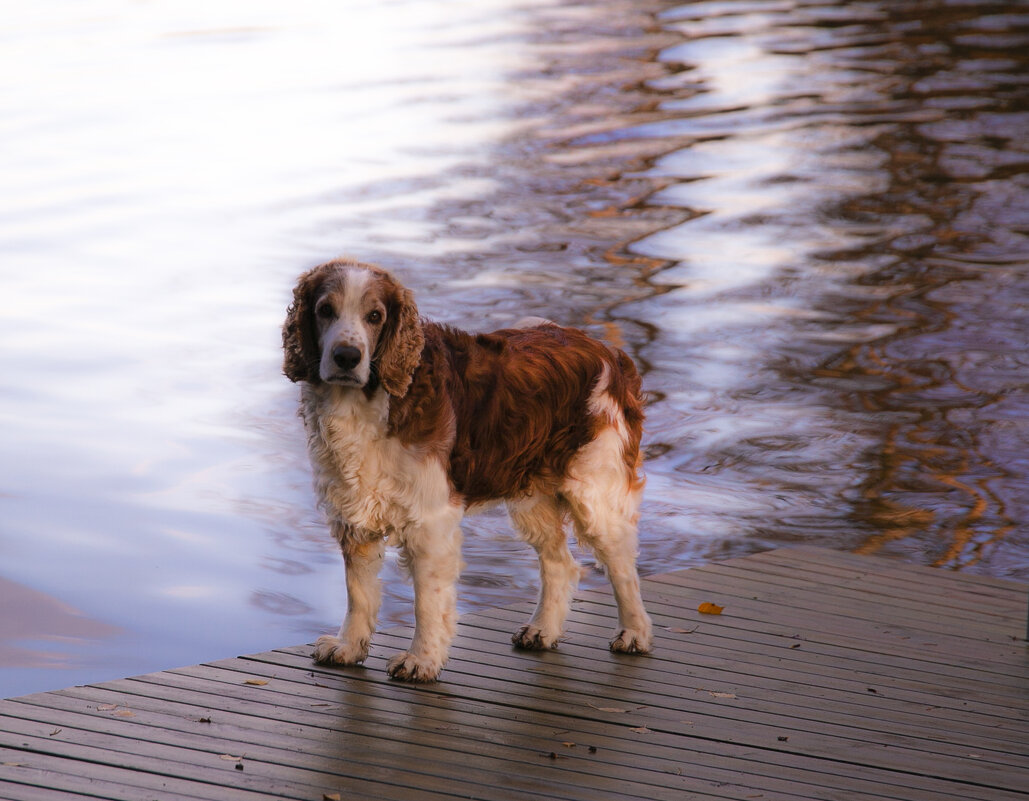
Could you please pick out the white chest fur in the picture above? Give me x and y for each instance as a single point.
(365, 478)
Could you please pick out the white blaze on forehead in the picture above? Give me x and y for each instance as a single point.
(349, 328)
(355, 287)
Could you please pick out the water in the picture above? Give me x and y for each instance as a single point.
(806, 221)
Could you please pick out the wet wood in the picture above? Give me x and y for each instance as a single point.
(827, 676)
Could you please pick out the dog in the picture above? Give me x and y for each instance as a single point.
(410, 424)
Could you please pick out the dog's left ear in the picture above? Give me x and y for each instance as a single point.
(400, 344)
(299, 334)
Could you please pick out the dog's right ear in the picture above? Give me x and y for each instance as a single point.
(299, 333)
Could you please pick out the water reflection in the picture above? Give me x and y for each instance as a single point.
(168, 170)
(807, 222)
(40, 634)
(820, 220)
(857, 182)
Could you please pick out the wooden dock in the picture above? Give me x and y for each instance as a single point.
(827, 676)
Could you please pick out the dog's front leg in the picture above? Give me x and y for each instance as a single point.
(364, 594)
(434, 556)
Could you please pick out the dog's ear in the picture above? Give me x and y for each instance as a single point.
(400, 344)
(299, 333)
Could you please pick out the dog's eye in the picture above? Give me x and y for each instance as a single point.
(325, 311)
(374, 317)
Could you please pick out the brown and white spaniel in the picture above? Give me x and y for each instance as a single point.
(410, 424)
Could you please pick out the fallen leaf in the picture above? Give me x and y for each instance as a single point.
(256, 682)
(722, 695)
(330, 797)
(229, 757)
(55, 732)
(106, 707)
(641, 730)
(12, 764)
(204, 720)
(708, 608)
(125, 713)
(568, 745)
(681, 631)
(606, 708)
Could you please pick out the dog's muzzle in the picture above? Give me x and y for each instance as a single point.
(346, 359)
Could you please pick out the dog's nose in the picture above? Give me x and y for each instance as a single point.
(346, 356)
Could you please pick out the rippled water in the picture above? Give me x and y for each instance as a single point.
(808, 222)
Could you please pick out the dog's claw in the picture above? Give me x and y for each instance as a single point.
(530, 638)
(330, 650)
(628, 641)
(408, 667)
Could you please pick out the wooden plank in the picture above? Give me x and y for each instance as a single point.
(869, 621)
(907, 603)
(828, 676)
(797, 689)
(668, 715)
(257, 709)
(533, 723)
(26, 792)
(710, 644)
(896, 581)
(929, 603)
(742, 640)
(744, 717)
(989, 586)
(530, 757)
(31, 761)
(867, 637)
(559, 734)
(368, 759)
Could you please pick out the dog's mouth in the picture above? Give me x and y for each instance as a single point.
(344, 380)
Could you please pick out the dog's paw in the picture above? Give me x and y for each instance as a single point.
(531, 638)
(330, 650)
(408, 667)
(630, 641)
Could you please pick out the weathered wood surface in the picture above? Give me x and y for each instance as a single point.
(827, 676)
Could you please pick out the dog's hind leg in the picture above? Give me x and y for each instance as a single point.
(604, 501)
(364, 594)
(540, 520)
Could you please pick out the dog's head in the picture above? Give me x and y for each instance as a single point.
(352, 325)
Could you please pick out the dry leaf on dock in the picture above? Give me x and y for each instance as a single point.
(606, 708)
